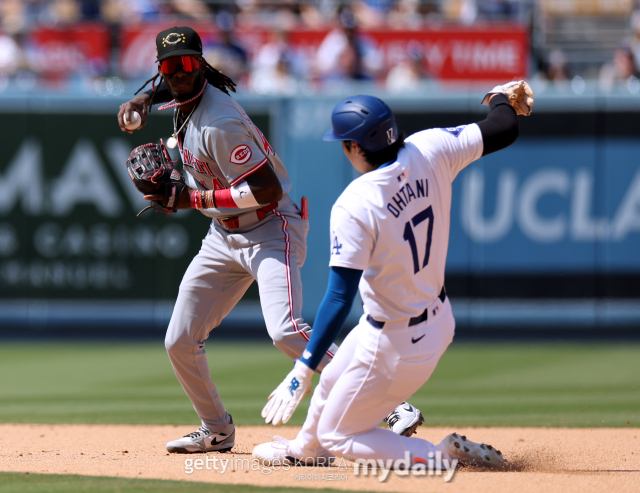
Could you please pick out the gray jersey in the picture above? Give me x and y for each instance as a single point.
(222, 146)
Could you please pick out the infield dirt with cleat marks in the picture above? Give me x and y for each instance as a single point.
(549, 460)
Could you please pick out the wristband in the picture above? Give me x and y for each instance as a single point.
(243, 196)
(303, 368)
(224, 199)
(196, 200)
(209, 199)
(229, 198)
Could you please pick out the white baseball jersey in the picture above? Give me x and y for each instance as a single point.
(222, 146)
(393, 223)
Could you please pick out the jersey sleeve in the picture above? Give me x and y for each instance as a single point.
(333, 312)
(454, 147)
(352, 239)
(230, 144)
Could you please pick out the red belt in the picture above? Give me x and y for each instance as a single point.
(234, 222)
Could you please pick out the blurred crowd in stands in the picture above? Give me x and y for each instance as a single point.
(344, 52)
(18, 15)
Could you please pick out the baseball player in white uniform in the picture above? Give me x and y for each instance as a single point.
(234, 177)
(389, 235)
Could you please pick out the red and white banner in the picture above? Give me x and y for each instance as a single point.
(451, 53)
(463, 53)
(78, 47)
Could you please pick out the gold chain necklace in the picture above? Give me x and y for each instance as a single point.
(172, 141)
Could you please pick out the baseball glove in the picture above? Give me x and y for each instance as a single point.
(519, 93)
(152, 172)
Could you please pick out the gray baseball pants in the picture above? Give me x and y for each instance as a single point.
(271, 252)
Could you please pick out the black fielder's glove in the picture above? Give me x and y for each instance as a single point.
(152, 172)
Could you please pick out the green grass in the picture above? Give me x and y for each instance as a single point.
(54, 483)
(474, 384)
(566, 384)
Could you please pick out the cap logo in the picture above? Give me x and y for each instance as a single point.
(173, 39)
(390, 137)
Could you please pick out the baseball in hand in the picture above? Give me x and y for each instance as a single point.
(135, 121)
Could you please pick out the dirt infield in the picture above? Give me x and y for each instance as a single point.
(546, 460)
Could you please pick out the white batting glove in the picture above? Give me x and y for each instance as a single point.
(285, 399)
(519, 93)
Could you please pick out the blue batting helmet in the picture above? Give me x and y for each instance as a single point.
(365, 120)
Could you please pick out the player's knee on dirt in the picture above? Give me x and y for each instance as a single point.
(338, 445)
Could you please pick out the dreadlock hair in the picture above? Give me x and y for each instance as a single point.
(213, 76)
(378, 158)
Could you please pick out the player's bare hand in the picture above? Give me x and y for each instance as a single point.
(285, 399)
(138, 104)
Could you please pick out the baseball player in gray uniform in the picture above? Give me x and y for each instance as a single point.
(257, 233)
(389, 237)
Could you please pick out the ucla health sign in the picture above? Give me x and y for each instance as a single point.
(549, 206)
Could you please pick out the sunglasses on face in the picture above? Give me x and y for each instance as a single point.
(170, 65)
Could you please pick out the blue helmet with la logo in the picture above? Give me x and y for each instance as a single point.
(363, 119)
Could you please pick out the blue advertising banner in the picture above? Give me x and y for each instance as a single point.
(549, 205)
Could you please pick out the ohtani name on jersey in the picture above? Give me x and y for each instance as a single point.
(406, 194)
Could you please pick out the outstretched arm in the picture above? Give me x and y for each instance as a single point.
(500, 129)
(333, 311)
